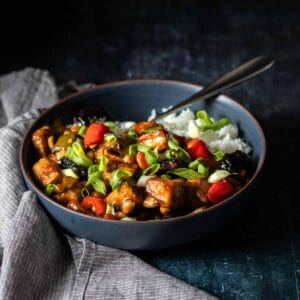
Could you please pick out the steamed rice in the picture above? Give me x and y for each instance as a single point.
(185, 124)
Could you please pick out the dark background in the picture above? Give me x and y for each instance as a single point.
(257, 256)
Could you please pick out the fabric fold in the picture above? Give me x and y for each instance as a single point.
(39, 261)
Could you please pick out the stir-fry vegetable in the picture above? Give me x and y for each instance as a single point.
(141, 173)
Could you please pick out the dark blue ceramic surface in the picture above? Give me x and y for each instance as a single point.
(133, 100)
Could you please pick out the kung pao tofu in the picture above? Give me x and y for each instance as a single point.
(142, 172)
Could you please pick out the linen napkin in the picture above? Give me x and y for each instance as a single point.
(37, 260)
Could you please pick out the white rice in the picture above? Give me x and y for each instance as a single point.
(185, 124)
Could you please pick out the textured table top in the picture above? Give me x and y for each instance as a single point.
(257, 255)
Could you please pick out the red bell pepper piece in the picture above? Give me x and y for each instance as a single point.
(197, 148)
(95, 134)
(97, 205)
(219, 191)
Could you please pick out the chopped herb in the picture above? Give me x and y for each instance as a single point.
(111, 138)
(117, 177)
(132, 135)
(152, 156)
(130, 219)
(92, 169)
(112, 126)
(82, 130)
(102, 163)
(132, 150)
(186, 173)
(218, 155)
(177, 151)
(218, 175)
(84, 192)
(151, 170)
(202, 170)
(77, 154)
(50, 188)
(70, 173)
(194, 164)
(165, 176)
(143, 148)
(151, 129)
(209, 123)
(95, 179)
(110, 209)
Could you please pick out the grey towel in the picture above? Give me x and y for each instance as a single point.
(37, 260)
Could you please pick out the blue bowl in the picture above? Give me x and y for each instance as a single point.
(133, 100)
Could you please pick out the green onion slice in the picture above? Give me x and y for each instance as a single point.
(186, 173)
(152, 156)
(132, 135)
(130, 219)
(110, 209)
(111, 138)
(202, 170)
(102, 163)
(82, 130)
(218, 155)
(177, 151)
(84, 192)
(218, 175)
(194, 164)
(151, 170)
(50, 188)
(113, 127)
(151, 129)
(208, 123)
(132, 150)
(118, 176)
(92, 169)
(143, 148)
(70, 173)
(77, 154)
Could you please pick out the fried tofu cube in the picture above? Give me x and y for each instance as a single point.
(126, 197)
(40, 140)
(46, 171)
(172, 193)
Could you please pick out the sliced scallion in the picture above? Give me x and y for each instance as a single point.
(84, 192)
(111, 138)
(186, 173)
(110, 209)
(194, 164)
(82, 130)
(130, 219)
(132, 135)
(113, 127)
(70, 173)
(77, 154)
(50, 188)
(202, 170)
(209, 123)
(132, 150)
(152, 156)
(218, 155)
(218, 175)
(118, 176)
(143, 148)
(151, 170)
(102, 163)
